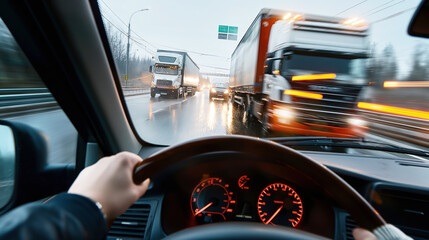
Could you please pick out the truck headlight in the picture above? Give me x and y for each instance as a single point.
(357, 122)
(226, 91)
(284, 115)
(213, 90)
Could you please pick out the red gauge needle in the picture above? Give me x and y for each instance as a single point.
(274, 215)
(202, 209)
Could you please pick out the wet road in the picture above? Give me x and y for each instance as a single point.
(168, 121)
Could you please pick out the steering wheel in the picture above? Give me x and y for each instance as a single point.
(335, 187)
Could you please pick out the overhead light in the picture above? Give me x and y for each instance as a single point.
(349, 21)
(287, 16)
(356, 22)
(295, 18)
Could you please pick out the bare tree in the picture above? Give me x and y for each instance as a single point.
(419, 71)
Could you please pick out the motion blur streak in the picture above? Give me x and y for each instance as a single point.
(394, 110)
(212, 113)
(398, 84)
(303, 94)
(314, 77)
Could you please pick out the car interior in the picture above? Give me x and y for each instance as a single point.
(327, 193)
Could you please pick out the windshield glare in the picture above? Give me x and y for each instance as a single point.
(323, 64)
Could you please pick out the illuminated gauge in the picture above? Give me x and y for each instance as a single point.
(211, 201)
(279, 204)
(243, 182)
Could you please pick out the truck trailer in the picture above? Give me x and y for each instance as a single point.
(175, 74)
(301, 74)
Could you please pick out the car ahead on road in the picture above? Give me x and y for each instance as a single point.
(215, 187)
(219, 90)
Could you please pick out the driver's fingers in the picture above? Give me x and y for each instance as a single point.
(363, 234)
(142, 187)
(131, 157)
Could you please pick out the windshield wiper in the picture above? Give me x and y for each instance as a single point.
(346, 143)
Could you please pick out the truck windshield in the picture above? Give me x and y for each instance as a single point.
(166, 69)
(167, 59)
(323, 64)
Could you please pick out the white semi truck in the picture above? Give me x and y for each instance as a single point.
(175, 74)
(301, 73)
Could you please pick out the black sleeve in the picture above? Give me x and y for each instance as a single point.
(66, 216)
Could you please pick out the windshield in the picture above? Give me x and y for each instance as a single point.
(220, 85)
(166, 69)
(167, 59)
(322, 64)
(291, 96)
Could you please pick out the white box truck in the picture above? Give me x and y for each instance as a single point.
(175, 74)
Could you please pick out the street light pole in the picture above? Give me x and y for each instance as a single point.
(128, 43)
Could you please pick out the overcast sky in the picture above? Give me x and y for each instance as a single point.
(193, 24)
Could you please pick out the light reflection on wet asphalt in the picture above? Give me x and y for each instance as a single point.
(163, 120)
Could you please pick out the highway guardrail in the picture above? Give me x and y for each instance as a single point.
(16, 101)
(408, 129)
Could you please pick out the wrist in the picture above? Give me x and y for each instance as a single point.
(100, 206)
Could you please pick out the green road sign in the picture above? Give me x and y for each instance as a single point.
(223, 29)
(232, 37)
(227, 32)
(233, 29)
(222, 36)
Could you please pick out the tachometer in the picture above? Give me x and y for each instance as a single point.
(211, 201)
(280, 204)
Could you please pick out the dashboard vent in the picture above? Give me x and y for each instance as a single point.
(131, 224)
(350, 225)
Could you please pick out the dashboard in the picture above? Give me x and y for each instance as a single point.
(233, 187)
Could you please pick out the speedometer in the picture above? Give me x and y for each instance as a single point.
(212, 201)
(280, 204)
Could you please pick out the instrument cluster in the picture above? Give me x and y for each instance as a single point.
(215, 200)
(232, 189)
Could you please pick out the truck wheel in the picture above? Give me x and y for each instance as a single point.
(248, 114)
(152, 94)
(178, 94)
